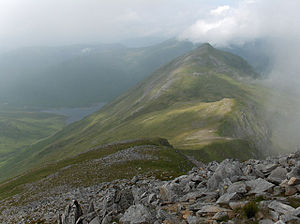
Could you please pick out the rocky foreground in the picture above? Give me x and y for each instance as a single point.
(254, 191)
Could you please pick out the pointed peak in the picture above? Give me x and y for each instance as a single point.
(205, 46)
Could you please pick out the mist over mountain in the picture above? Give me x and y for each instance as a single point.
(106, 107)
(78, 75)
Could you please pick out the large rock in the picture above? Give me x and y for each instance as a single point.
(281, 208)
(167, 193)
(238, 187)
(277, 175)
(228, 197)
(294, 181)
(227, 169)
(259, 186)
(295, 172)
(266, 168)
(171, 191)
(137, 214)
(124, 199)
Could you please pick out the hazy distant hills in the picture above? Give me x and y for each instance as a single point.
(256, 53)
(80, 75)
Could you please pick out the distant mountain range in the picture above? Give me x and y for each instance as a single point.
(80, 75)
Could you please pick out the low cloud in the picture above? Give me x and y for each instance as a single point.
(225, 25)
(275, 21)
(220, 10)
(248, 20)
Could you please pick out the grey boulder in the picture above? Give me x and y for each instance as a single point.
(137, 214)
(238, 187)
(227, 169)
(259, 186)
(277, 175)
(228, 197)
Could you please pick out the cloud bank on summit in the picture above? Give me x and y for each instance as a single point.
(274, 21)
(65, 22)
(247, 21)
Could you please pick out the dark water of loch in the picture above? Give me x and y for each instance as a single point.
(75, 114)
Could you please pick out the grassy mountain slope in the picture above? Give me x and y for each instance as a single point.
(21, 128)
(149, 157)
(203, 98)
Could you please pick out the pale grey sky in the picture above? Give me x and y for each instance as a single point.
(51, 22)
(65, 22)
(57, 22)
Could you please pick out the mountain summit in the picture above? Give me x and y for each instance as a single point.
(203, 102)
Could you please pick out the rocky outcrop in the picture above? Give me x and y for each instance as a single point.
(230, 192)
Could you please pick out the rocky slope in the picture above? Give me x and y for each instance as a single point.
(253, 191)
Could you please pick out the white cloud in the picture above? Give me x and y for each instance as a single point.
(248, 20)
(225, 25)
(274, 21)
(220, 10)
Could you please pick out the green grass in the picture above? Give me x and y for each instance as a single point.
(21, 128)
(169, 163)
(238, 149)
(250, 209)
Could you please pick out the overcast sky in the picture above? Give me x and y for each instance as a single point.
(51, 22)
(63, 22)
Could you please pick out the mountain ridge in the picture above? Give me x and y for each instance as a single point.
(200, 99)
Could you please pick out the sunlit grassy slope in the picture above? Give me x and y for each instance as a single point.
(203, 98)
